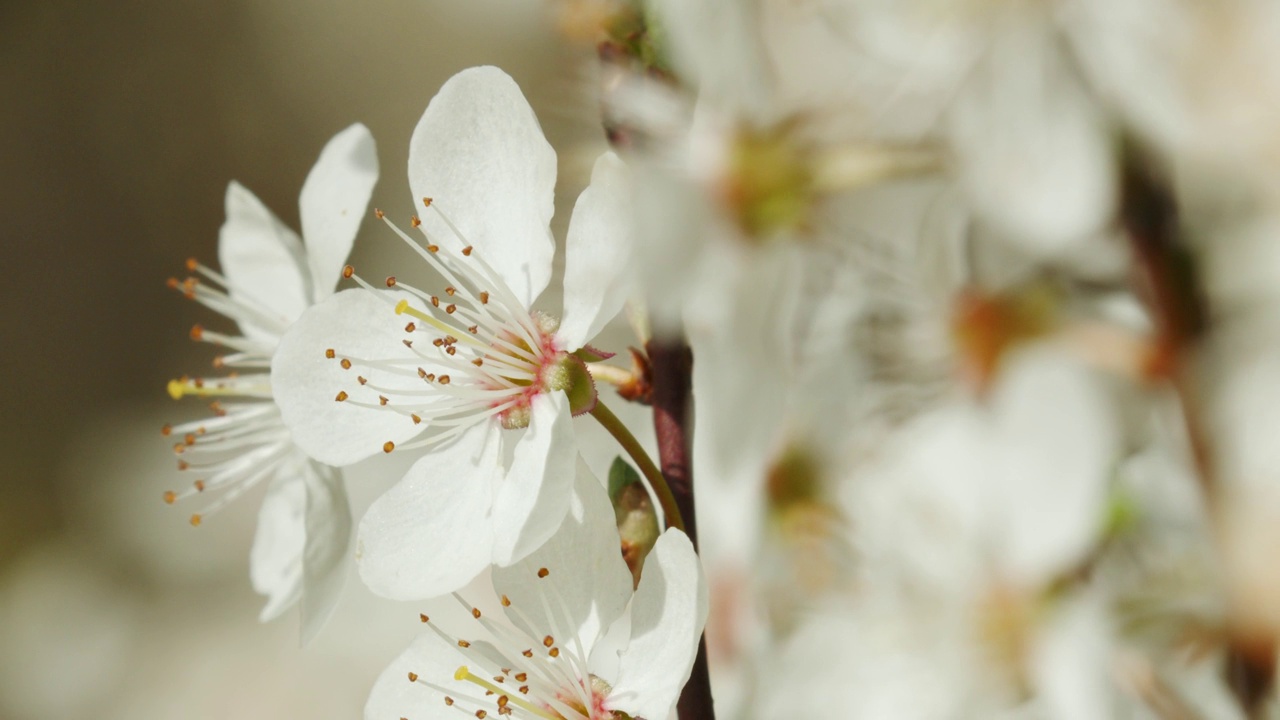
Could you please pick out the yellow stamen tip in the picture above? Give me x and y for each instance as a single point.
(401, 307)
(461, 673)
(177, 389)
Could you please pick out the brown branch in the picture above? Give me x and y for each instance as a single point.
(1175, 296)
(672, 368)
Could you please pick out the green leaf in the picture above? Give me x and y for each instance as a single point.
(621, 474)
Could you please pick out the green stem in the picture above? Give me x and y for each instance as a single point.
(651, 472)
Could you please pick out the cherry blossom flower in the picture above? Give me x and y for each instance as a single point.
(485, 383)
(572, 641)
(269, 276)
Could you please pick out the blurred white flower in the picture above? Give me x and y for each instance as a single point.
(270, 276)
(489, 383)
(572, 640)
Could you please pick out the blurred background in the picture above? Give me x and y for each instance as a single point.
(122, 125)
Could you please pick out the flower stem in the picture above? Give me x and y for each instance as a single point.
(619, 431)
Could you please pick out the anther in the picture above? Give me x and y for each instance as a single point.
(548, 641)
(475, 613)
(444, 379)
(484, 297)
(391, 281)
(423, 617)
(524, 689)
(521, 677)
(438, 342)
(543, 572)
(346, 364)
(378, 213)
(448, 700)
(413, 677)
(382, 399)
(527, 653)
(342, 395)
(416, 419)
(329, 353)
(464, 644)
(481, 714)
(166, 430)
(555, 652)
(503, 700)
(195, 520)
(467, 251)
(422, 373)
(192, 264)
(361, 379)
(197, 332)
(407, 343)
(414, 221)
(170, 497)
(388, 446)
(451, 350)
(183, 465)
(433, 248)
(473, 329)
(450, 291)
(478, 362)
(506, 601)
(198, 485)
(348, 271)
(435, 301)
(410, 327)
(451, 308)
(189, 439)
(172, 283)
(426, 202)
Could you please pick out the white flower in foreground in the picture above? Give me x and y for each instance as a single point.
(270, 276)
(488, 383)
(573, 641)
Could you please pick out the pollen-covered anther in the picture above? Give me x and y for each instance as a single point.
(467, 250)
(198, 485)
(410, 327)
(348, 271)
(416, 420)
(527, 653)
(451, 308)
(415, 221)
(433, 248)
(423, 617)
(329, 353)
(342, 396)
(195, 520)
(473, 329)
(548, 641)
(451, 350)
(524, 689)
(438, 342)
(444, 380)
(478, 362)
(554, 652)
(170, 497)
(362, 380)
(391, 281)
(426, 202)
(521, 677)
(197, 332)
(377, 212)
(448, 700)
(450, 291)
(413, 676)
(484, 297)
(192, 264)
(388, 446)
(435, 301)
(166, 430)
(346, 364)
(382, 400)
(475, 613)
(482, 714)
(543, 572)
(464, 644)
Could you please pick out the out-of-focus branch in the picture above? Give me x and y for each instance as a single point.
(1174, 294)
(671, 364)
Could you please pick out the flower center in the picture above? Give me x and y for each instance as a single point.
(476, 352)
(522, 670)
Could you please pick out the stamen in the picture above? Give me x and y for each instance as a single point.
(464, 673)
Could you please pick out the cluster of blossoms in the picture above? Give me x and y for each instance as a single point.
(972, 306)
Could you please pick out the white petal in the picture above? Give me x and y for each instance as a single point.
(667, 617)
(597, 253)
(333, 203)
(529, 502)
(325, 556)
(261, 259)
(305, 382)
(275, 563)
(478, 151)
(587, 584)
(430, 658)
(1056, 438)
(430, 534)
(1035, 150)
(1072, 662)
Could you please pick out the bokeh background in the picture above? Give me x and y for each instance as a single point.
(121, 125)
